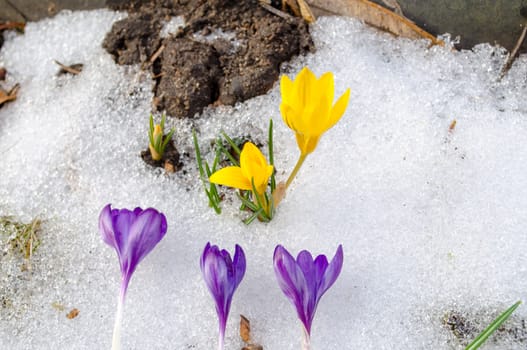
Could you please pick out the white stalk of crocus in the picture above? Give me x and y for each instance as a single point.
(116, 338)
(306, 339)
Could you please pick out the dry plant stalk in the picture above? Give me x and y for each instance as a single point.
(24, 238)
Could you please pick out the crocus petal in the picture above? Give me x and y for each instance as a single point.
(106, 227)
(326, 83)
(316, 116)
(339, 108)
(251, 160)
(122, 221)
(231, 176)
(286, 88)
(303, 87)
(239, 264)
(146, 231)
(332, 272)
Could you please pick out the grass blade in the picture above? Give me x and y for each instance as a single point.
(483, 336)
(231, 143)
(198, 154)
(219, 144)
(271, 156)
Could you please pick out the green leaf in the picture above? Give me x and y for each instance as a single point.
(162, 125)
(167, 139)
(251, 218)
(483, 336)
(212, 192)
(271, 156)
(219, 144)
(253, 207)
(198, 154)
(151, 131)
(231, 143)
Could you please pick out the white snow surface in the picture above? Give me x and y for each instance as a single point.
(431, 221)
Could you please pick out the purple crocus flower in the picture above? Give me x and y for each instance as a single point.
(222, 276)
(133, 234)
(305, 280)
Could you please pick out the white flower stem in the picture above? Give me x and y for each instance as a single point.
(306, 340)
(221, 341)
(116, 339)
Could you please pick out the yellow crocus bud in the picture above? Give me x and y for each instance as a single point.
(158, 135)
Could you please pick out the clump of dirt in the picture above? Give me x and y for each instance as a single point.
(170, 160)
(135, 38)
(189, 72)
(459, 325)
(228, 51)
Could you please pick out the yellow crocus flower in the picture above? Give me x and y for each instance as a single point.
(253, 167)
(307, 107)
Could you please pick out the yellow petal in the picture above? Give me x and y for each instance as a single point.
(339, 108)
(304, 86)
(286, 89)
(231, 176)
(251, 160)
(255, 167)
(262, 178)
(291, 117)
(326, 85)
(317, 117)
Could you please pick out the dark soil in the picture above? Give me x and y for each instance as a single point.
(192, 72)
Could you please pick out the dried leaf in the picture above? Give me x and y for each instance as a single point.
(375, 15)
(73, 313)
(8, 96)
(3, 73)
(293, 5)
(245, 329)
(452, 125)
(306, 12)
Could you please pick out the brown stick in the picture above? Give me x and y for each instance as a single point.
(67, 68)
(514, 53)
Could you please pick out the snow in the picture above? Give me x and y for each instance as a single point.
(431, 220)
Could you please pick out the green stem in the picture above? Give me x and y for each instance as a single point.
(295, 170)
